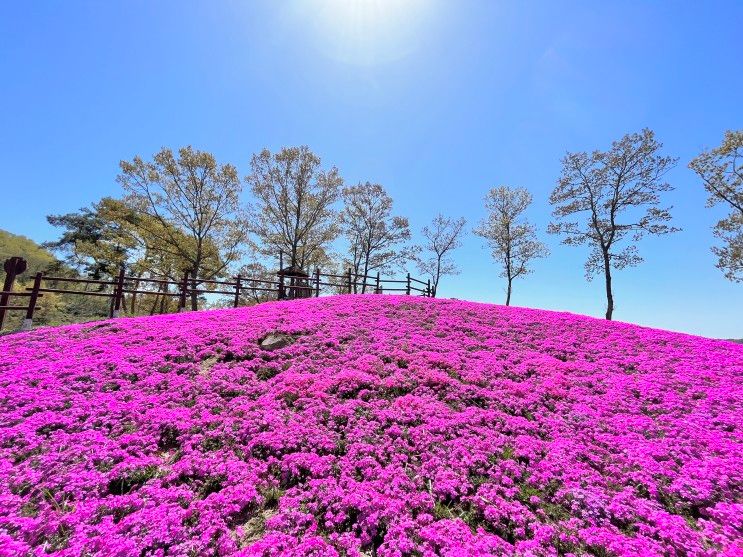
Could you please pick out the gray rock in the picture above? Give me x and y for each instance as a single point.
(206, 365)
(274, 341)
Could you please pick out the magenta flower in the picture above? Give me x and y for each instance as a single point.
(390, 426)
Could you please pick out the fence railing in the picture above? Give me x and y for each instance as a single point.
(289, 284)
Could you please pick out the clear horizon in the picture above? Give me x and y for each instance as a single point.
(436, 101)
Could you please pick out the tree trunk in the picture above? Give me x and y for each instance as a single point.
(194, 297)
(154, 302)
(508, 292)
(134, 295)
(164, 299)
(363, 281)
(194, 284)
(356, 272)
(607, 277)
(194, 294)
(367, 256)
(293, 254)
(438, 276)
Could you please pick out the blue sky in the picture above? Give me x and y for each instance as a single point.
(437, 101)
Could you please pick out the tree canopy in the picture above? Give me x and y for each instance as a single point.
(605, 197)
(294, 205)
(375, 237)
(440, 238)
(721, 171)
(511, 237)
(193, 208)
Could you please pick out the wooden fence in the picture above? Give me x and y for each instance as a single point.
(288, 284)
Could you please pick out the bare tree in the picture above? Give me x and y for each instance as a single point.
(440, 238)
(258, 283)
(195, 203)
(294, 211)
(374, 235)
(512, 239)
(618, 191)
(721, 171)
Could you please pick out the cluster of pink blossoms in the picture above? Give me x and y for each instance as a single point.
(388, 426)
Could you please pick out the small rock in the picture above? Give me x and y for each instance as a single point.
(274, 341)
(206, 365)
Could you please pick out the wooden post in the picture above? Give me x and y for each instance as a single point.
(407, 288)
(118, 293)
(317, 282)
(377, 289)
(428, 289)
(349, 281)
(29, 320)
(237, 290)
(184, 293)
(13, 267)
(7, 287)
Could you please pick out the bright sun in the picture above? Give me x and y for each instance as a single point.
(365, 13)
(368, 31)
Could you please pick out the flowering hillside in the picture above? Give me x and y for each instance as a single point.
(369, 425)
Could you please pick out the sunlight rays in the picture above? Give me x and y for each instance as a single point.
(367, 32)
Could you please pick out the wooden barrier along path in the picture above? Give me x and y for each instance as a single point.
(289, 284)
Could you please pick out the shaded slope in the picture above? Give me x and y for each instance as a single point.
(388, 426)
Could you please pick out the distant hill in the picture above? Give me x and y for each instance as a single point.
(38, 258)
(52, 309)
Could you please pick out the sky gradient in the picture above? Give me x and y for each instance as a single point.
(437, 101)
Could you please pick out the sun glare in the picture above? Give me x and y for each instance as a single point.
(368, 31)
(365, 13)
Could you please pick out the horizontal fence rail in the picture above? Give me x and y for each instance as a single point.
(289, 284)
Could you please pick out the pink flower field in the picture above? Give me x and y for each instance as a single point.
(386, 425)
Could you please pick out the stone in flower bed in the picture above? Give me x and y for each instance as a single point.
(390, 426)
(274, 341)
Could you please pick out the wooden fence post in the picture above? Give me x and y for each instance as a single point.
(7, 287)
(317, 282)
(376, 288)
(349, 281)
(428, 289)
(13, 266)
(184, 289)
(118, 293)
(237, 290)
(29, 320)
(407, 289)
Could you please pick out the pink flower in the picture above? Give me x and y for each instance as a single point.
(391, 424)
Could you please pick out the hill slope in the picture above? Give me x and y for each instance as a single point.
(38, 258)
(52, 309)
(377, 425)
